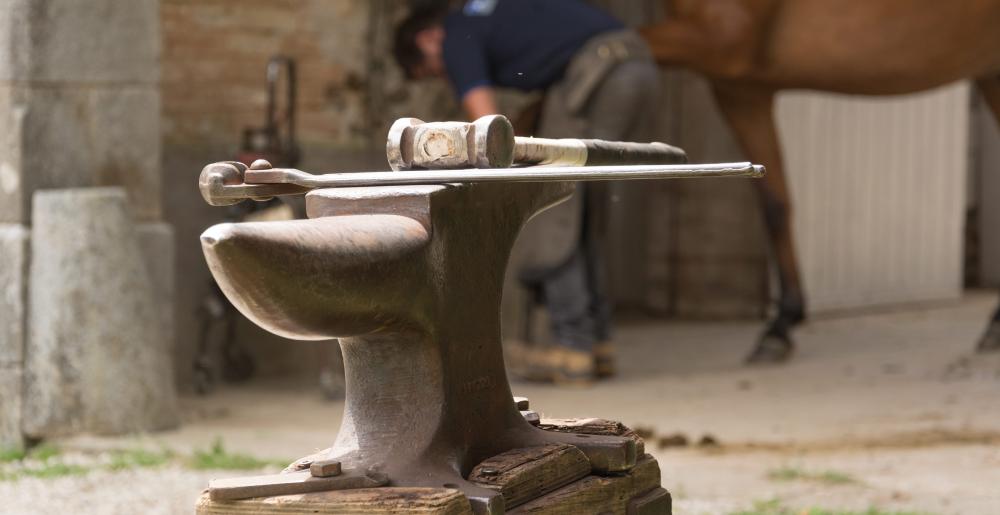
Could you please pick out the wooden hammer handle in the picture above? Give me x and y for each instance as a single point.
(593, 152)
(615, 153)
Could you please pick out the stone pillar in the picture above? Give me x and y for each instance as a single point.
(13, 265)
(79, 108)
(97, 356)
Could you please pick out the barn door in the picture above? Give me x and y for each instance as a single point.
(878, 187)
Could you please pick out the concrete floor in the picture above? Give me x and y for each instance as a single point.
(892, 405)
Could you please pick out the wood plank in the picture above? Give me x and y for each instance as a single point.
(596, 494)
(521, 475)
(230, 489)
(401, 501)
(593, 426)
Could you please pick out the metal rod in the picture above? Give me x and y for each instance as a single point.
(530, 174)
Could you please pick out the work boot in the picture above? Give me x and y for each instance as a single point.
(550, 364)
(604, 359)
(571, 367)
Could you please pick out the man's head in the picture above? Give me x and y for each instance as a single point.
(419, 44)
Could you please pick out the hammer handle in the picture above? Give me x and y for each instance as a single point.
(611, 153)
(593, 152)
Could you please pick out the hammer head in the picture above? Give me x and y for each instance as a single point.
(486, 143)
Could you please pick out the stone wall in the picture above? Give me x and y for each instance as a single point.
(79, 107)
(85, 102)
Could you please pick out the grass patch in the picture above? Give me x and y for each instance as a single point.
(44, 452)
(53, 470)
(46, 471)
(775, 507)
(218, 458)
(11, 454)
(43, 462)
(138, 458)
(47, 461)
(827, 477)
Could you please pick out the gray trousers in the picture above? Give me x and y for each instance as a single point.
(610, 91)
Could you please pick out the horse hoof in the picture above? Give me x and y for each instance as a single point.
(990, 342)
(771, 349)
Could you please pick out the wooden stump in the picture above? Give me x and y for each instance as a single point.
(549, 480)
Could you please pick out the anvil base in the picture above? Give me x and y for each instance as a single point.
(555, 479)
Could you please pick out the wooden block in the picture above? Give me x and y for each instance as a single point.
(400, 501)
(656, 502)
(597, 494)
(593, 426)
(291, 483)
(524, 474)
(325, 468)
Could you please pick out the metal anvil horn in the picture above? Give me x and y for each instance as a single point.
(410, 279)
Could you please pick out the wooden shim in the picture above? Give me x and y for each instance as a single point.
(521, 475)
(593, 426)
(401, 501)
(231, 489)
(596, 494)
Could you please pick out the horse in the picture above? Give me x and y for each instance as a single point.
(749, 50)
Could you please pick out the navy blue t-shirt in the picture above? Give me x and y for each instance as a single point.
(522, 44)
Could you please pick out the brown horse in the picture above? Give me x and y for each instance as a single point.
(751, 49)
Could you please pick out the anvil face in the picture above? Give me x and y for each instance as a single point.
(410, 279)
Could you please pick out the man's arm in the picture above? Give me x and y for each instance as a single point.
(479, 102)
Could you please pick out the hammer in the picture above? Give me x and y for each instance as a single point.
(489, 142)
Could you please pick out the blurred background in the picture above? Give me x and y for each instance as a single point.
(109, 110)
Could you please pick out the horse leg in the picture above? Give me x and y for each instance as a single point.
(750, 113)
(990, 89)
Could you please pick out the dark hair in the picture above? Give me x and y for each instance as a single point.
(408, 54)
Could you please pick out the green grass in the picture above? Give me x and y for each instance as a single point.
(775, 507)
(827, 477)
(45, 461)
(39, 464)
(138, 458)
(52, 471)
(218, 458)
(44, 452)
(11, 454)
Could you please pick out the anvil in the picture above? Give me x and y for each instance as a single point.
(409, 278)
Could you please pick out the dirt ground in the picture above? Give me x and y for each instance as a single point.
(888, 411)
